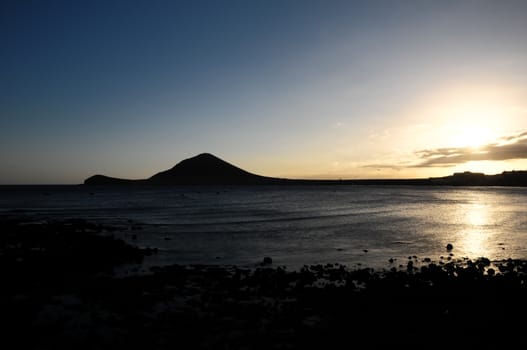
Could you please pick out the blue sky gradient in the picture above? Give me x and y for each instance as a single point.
(321, 89)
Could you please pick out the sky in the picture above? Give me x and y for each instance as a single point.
(299, 89)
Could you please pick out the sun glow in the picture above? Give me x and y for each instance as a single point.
(456, 129)
(473, 124)
(471, 136)
(467, 116)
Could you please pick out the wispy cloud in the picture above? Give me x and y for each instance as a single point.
(506, 148)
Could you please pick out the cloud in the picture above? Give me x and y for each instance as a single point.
(515, 138)
(507, 148)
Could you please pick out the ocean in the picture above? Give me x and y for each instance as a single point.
(356, 226)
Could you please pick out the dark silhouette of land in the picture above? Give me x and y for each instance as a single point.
(203, 169)
(207, 169)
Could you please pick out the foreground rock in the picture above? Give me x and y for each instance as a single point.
(461, 303)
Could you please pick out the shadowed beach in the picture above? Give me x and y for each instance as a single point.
(61, 289)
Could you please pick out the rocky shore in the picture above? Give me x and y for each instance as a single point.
(59, 291)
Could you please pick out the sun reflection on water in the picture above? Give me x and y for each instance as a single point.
(478, 215)
(476, 235)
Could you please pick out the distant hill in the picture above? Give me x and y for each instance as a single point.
(203, 169)
(207, 169)
(106, 180)
(467, 178)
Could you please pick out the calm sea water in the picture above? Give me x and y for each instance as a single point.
(350, 225)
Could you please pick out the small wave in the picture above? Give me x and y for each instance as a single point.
(401, 242)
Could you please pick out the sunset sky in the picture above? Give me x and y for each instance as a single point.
(300, 89)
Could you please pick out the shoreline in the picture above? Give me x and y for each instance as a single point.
(61, 292)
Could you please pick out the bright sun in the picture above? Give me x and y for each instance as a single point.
(460, 122)
(469, 116)
(470, 136)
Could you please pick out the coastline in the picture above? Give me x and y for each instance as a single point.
(64, 293)
(207, 169)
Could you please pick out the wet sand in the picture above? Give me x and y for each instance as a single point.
(60, 291)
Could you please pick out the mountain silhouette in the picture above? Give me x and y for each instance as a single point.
(207, 169)
(203, 169)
